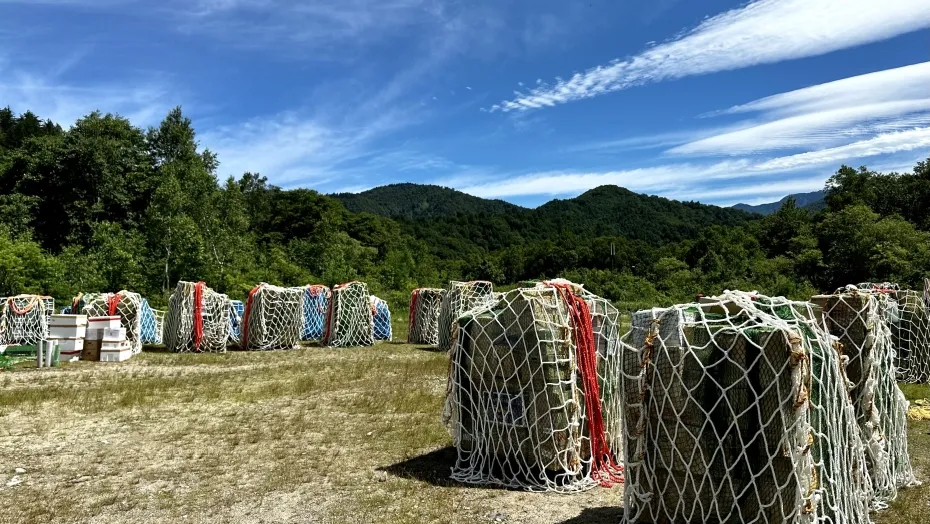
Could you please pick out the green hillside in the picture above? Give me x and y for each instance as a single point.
(812, 201)
(419, 201)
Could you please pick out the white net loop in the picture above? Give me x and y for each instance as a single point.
(458, 299)
(24, 319)
(859, 319)
(423, 321)
(517, 405)
(349, 322)
(316, 307)
(273, 318)
(737, 409)
(198, 319)
(124, 304)
(381, 319)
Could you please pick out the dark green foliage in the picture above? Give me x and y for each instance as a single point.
(812, 201)
(106, 205)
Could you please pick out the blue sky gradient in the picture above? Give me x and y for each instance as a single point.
(716, 101)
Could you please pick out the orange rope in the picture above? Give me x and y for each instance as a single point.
(412, 315)
(604, 469)
(112, 303)
(245, 316)
(198, 314)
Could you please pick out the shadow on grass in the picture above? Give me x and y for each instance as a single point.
(597, 516)
(433, 468)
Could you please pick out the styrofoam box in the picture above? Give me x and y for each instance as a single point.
(114, 334)
(67, 326)
(114, 345)
(115, 356)
(70, 345)
(103, 322)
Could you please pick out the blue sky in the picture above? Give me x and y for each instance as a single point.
(524, 100)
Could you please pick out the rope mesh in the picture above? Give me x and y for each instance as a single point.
(124, 304)
(461, 297)
(316, 305)
(516, 403)
(737, 409)
(349, 322)
(423, 325)
(910, 329)
(181, 326)
(273, 317)
(381, 319)
(860, 320)
(153, 324)
(24, 319)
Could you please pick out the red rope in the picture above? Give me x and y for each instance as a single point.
(412, 316)
(112, 303)
(33, 300)
(198, 314)
(245, 317)
(604, 469)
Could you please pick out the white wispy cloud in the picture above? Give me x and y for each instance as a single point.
(765, 31)
(884, 144)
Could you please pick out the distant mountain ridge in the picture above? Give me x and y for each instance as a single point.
(412, 201)
(603, 211)
(812, 201)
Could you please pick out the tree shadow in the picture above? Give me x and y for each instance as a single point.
(603, 515)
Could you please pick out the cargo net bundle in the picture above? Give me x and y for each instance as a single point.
(24, 319)
(316, 306)
(910, 330)
(349, 322)
(236, 310)
(738, 410)
(153, 324)
(423, 319)
(860, 319)
(127, 305)
(459, 298)
(273, 318)
(532, 399)
(197, 319)
(381, 319)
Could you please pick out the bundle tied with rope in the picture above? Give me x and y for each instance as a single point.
(423, 319)
(532, 399)
(349, 322)
(126, 305)
(24, 319)
(737, 409)
(198, 319)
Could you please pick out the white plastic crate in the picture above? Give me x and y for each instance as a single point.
(67, 326)
(69, 348)
(115, 356)
(114, 334)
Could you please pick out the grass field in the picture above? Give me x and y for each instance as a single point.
(303, 436)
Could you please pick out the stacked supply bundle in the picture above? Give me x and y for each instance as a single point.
(381, 319)
(532, 397)
(273, 317)
(859, 319)
(24, 319)
(423, 326)
(349, 322)
(458, 299)
(197, 319)
(316, 306)
(737, 410)
(910, 330)
(124, 304)
(107, 340)
(68, 333)
(153, 324)
(236, 310)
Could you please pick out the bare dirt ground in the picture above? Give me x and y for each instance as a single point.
(305, 436)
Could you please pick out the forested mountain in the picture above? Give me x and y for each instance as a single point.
(105, 205)
(419, 201)
(812, 201)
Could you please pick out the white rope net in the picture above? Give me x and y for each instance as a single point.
(423, 322)
(910, 330)
(273, 317)
(459, 298)
(316, 307)
(860, 319)
(197, 319)
(532, 390)
(381, 319)
(24, 319)
(350, 322)
(737, 409)
(124, 304)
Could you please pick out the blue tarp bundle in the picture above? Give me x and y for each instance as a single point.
(316, 306)
(151, 334)
(235, 318)
(382, 319)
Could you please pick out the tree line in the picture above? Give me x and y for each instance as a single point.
(105, 205)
